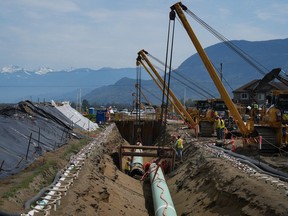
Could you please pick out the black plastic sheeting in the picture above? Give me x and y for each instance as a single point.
(27, 131)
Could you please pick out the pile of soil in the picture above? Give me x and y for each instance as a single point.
(204, 184)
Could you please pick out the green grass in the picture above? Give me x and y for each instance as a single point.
(75, 148)
(48, 170)
(48, 166)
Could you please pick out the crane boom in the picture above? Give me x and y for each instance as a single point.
(178, 8)
(139, 61)
(178, 105)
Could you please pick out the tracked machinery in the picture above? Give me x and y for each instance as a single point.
(203, 115)
(270, 132)
(200, 115)
(273, 124)
(206, 111)
(247, 131)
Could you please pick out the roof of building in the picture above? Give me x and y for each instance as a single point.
(250, 86)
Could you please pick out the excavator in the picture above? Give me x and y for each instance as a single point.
(277, 115)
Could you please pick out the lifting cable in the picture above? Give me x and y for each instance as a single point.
(138, 98)
(186, 79)
(165, 100)
(172, 15)
(229, 44)
(223, 78)
(163, 120)
(154, 95)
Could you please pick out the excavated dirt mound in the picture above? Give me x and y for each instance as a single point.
(204, 184)
(209, 185)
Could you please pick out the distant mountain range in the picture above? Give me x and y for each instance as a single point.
(108, 85)
(192, 77)
(45, 84)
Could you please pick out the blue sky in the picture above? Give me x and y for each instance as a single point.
(64, 34)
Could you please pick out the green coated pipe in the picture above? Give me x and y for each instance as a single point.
(137, 165)
(163, 204)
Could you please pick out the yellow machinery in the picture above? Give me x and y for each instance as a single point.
(274, 121)
(276, 117)
(246, 131)
(142, 59)
(205, 111)
(212, 72)
(271, 122)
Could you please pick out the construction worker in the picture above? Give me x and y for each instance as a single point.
(127, 167)
(220, 126)
(179, 147)
(218, 123)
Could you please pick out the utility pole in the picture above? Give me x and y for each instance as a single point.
(80, 102)
(221, 72)
(184, 96)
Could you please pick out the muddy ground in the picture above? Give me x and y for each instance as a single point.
(206, 183)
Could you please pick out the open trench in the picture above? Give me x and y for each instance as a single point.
(205, 184)
(212, 183)
(146, 132)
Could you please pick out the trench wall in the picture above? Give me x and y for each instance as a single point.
(148, 130)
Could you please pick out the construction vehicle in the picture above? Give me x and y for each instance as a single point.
(272, 132)
(274, 119)
(246, 131)
(273, 125)
(205, 112)
(270, 120)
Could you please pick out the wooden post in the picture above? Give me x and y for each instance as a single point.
(28, 145)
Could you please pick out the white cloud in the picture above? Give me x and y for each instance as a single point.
(274, 13)
(90, 33)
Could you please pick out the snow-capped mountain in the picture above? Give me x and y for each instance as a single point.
(17, 83)
(15, 68)
(44, 70)
(11, 69)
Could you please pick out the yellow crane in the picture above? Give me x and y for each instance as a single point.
(179, 8)
(180, 109)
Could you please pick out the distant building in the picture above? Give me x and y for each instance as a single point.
(243, 95)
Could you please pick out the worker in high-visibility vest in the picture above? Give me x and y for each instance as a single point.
(220, 126)
(179, 147)
(127, 167)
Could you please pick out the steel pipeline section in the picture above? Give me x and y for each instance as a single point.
(163, 204)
